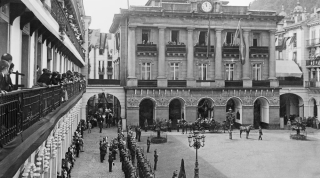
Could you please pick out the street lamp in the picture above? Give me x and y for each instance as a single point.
(195, 142)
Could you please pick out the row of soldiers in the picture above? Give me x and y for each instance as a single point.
(125, 156)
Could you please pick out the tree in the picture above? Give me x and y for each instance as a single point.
(158, 122)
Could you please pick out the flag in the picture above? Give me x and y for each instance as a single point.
(182, 172)
(284, 43)
(242, 46)
(293, 39)
(94, 36)
(208, 36)
(236, 36)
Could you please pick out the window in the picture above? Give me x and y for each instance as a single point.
(145, 36)
(109, 77)
(109, 63)
(294, 57)
(229, 71)
(256, 72)
(146, 71)
(174, 71)
(229, 38)
(255, 39)
(202, 72)
(100, 77)
(175, 36)
(202, 38)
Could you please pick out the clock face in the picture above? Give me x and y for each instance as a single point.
(206, 6)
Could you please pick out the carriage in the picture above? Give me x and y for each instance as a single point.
(203, 124)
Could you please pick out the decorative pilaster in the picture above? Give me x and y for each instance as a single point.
(190, 78)
(162, 79)
(132, 79)
(247, 82)
(218, 59)
(272, 60)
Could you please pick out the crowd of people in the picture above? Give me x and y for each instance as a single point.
(46, 79)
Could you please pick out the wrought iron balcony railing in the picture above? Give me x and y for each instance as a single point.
(201, 51)
(312, 62)
(297, 83)
(177, 83)
(260, 83)
(19, 110)
(147, 83)
(233, 83)
(59, 15)
(103, 82)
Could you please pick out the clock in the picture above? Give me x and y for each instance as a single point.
(206, 6)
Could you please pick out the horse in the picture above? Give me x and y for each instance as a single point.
(245, 129)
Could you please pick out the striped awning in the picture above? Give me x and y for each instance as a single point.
(287, 69)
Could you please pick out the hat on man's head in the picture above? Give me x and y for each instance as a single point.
(4, 64)
(6, 57)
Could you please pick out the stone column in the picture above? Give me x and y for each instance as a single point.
(247, 82)
(218, 59)
(318, 75)
(132, 79)
(162, 79)
(190, 73)
(272, 60)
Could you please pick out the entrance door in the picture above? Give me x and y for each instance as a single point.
(174, 111)
(257, 114)
(146, 112)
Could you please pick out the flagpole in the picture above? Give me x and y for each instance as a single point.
(128, 4)
(208, 45)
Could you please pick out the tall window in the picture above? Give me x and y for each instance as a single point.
(229, 71)
(255, 39)
(202, 72)
(146, 71)
(145, 36)
(202, 38)
(256, 72)
(295, 40)
(229, 38)
(174, 71)
(175, 36)
(294, 57)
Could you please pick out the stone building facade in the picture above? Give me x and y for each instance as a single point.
(166, 60)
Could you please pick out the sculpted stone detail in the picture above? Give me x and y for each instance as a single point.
(133, 102)
(162, 101)
(247, 100)
(192, 101)
(221, 101)
(274, 101)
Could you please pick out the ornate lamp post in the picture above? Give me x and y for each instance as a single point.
(195, 142)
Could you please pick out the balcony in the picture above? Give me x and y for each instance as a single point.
(101, 71)
(103, 82)
(311, 84)
(260, 83)
(21, 109)
(201, 51)
(176, 50)
(177, 83)
(204, 83)
(291, 83)
(259, 51)
(310, 63)
(147, 50)
(230, 51)
(233, 83)
(313, 42)
(147, 83)
(58, 14)
(109, 70)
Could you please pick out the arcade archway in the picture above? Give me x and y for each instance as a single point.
(261, 113)
(291, 106)
(146, 111)
(205, 108)
(313, 110)
(176, 110)
(235, 105)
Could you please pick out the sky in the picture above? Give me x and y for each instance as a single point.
(102, 11)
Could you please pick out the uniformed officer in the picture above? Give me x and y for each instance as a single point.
(155, 159)
(148, 144)
(110, 160)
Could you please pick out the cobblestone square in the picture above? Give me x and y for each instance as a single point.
(275, 156)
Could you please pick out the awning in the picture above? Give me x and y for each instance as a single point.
(48, 21)
(287, 69)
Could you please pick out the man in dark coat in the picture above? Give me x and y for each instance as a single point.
(148, 144)
(77, 148)
(155, 159)
(103, 152)
(110, 160)
(139, 134)
(100, 121)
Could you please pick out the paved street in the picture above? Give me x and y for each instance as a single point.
(273, 157)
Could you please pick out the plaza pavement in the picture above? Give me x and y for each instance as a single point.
(276, 156)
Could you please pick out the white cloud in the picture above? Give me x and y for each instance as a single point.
(102, 11)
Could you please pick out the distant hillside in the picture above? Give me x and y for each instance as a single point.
(289, 5)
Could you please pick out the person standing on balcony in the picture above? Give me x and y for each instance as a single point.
(7, 57)
(4, 69)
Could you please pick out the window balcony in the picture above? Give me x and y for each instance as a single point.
(21, 109)
(147, 83)
(259, 51)
(230, 51)
(291, 83)
(177, 83)
(107, 82)
(260, 83)
(310, 63)
(109, 70)
(176, 50)
(201, 51)
(147, 50)
(101, 71)
(313, 42)
(233, 83)
(204, 83)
